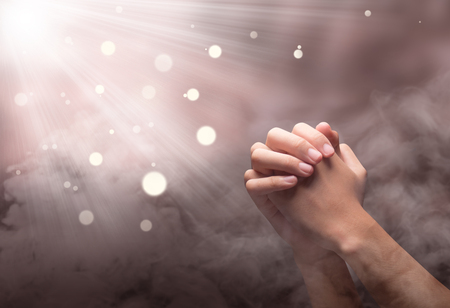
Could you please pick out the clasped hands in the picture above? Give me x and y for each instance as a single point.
(310, 188)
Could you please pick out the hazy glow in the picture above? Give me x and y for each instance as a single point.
(151, 124)
(298, 54)
(67, 184)
(111, 131)
(163, 63)
(193, 94)
(86, 217)
(119, 9)
(45, 147)
(367, 13)
(75, 188)
(192, 26)
(146, 225)
(21, 99)
(148, 92)
(154, 183)
(136, 129)
(215, 51)
(108, 48)
(24, 22)
(253, 34)
(99, 89)
(153, 164)
(54, 146)
(67, 102)
(206, 135)
(299, 46)
(63, 94)
(96, 159)
(18, 172)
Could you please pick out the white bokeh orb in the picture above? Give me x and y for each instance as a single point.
(154, 183)
(253, 34)
(108, 48)
(298, 54)
(193, 94)
(119, 9)
(215, 51)
(21, 99)
(146, 225)
(67, 184)
(136, 129)
(148, 92)
(163, 63)
(206, 135)
(86, 217)
(96, 159)
(367, 13)
(99, 89)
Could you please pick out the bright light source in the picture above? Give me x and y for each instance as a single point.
(24, 22)
(253, 34)
(367, 13)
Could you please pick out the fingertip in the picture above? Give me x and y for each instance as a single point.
(291, 179)
(328, 150)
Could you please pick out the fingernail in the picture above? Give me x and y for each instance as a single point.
(328, 149)
(314, 155)
(290, 179)
(305, 167)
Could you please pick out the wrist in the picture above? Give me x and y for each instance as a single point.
(359, 232)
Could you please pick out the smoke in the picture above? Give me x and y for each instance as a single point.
(406, 152)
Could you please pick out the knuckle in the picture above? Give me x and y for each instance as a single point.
(248, 175)
(257, 156)
(299, 143)
(300, 126)
(319, 137)
(273, 132)
(255, 146)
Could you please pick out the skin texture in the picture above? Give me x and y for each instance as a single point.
(326, 275)
(321, 217)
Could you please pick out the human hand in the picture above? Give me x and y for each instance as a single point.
(327, 205)
(272, 171)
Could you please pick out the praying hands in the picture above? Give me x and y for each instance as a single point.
(311, 190)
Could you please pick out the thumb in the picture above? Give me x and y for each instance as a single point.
(352, 161)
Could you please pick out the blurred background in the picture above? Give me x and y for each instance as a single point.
(126, 126)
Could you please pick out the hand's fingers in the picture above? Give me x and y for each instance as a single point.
(282, 141)
(314, 137)
(267, 185)
(332, 135)
(261, 169)
(263, 160)
(352, 161)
